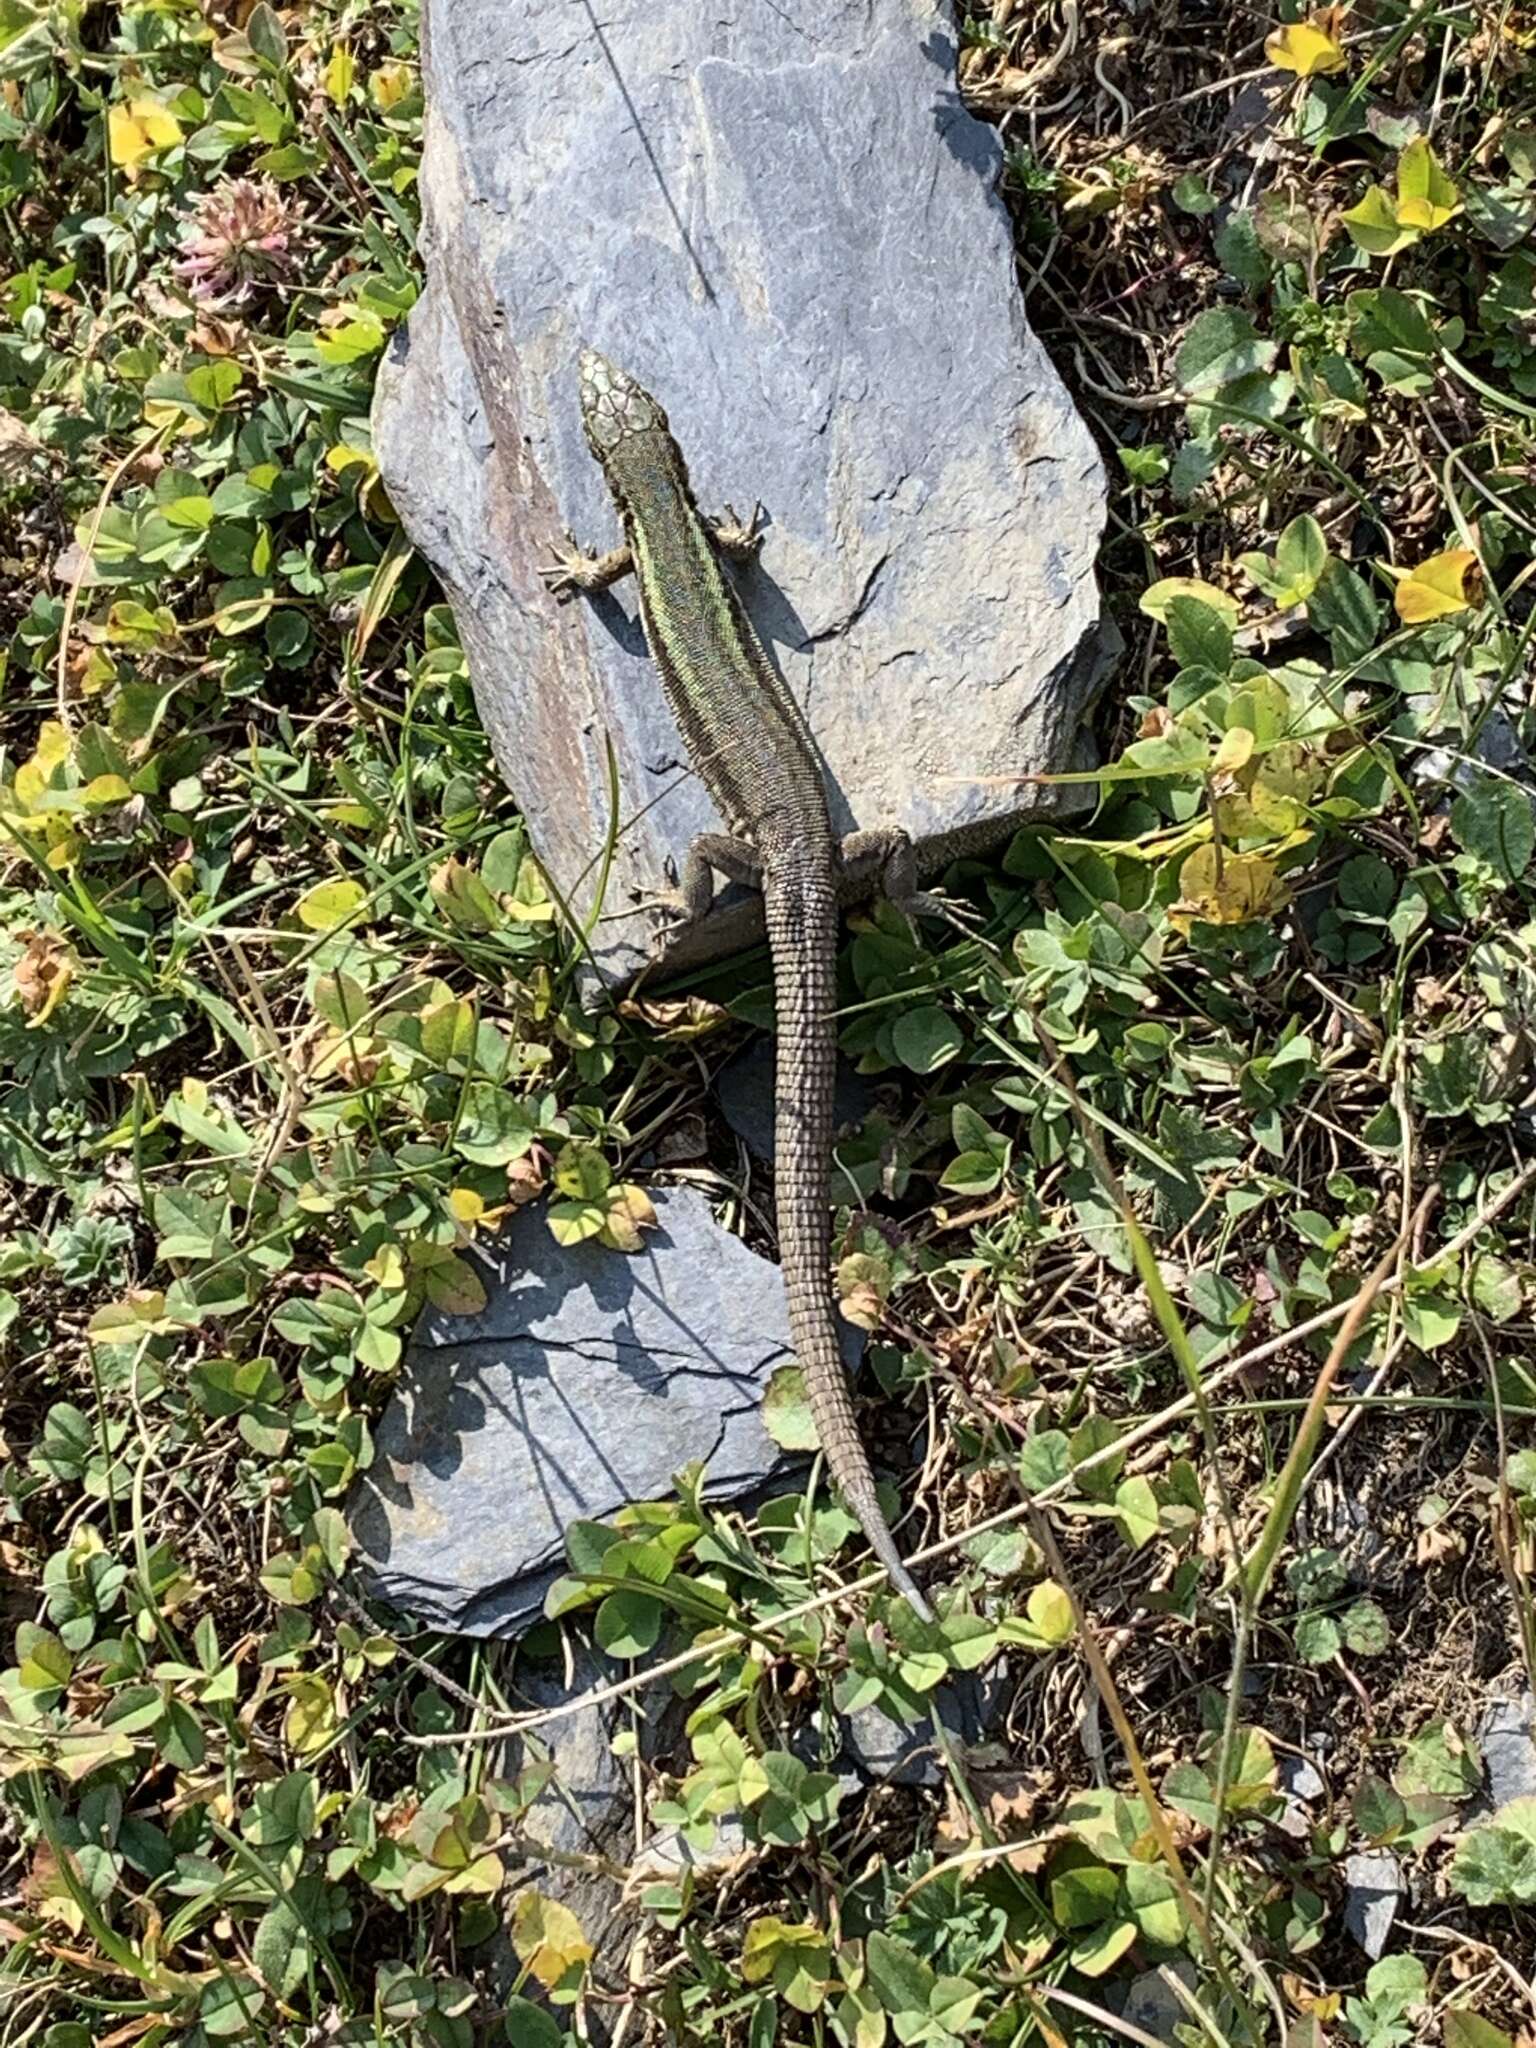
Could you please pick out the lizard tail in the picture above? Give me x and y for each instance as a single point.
(802, 916)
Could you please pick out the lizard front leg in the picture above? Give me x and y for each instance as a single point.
(737, 539)
(573, 573)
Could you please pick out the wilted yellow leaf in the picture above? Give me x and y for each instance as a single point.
(1217, 886)
(311, 1720)
(329, 905)
(630, 1211)
(529, 901)
(1374, 225)
(767, 1939)
(344, 456)
(1426, 197)
(1234, 752)
(46, 772)
(386, 1267)
(485, 1875)
(462, 897)
(1446, 583)
(1426, 200)
(140, 1314)
(389, 85)
(339, 73)
(1308, 47)
(1271, 796)
(863, 1284)
(169, 413)
(105, 792)
(353, 1055)
(138, 130)
(453, 1285)
(787, 1413)
(547, 1938)
(1154, 601)
(1050, 1612)
(448, 1029)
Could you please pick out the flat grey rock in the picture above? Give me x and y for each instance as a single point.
(744, 1090)
(1506, 1735)
(781, 219)
(1152, 2004)
(1498, 747)
(1300, 1778)
(1373, 1880)
(668, 1853)
(587, 1382)
(891, 1752)
(585, 1813)
(587, 1807)
(1299, 1784)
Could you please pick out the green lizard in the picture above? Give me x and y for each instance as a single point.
(752, 749)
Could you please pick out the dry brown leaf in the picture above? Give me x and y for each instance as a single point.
(525, 1182)
(43, 973)
(1432, 1544)
(685, 1140)
(677, 1018)
(216, 337)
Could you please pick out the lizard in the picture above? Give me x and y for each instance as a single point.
(751, 746)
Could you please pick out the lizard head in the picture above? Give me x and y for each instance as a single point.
(613, 406)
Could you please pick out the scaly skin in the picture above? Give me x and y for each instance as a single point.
(751, 747)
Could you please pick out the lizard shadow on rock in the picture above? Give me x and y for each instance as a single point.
(969, 140)
(623, 627)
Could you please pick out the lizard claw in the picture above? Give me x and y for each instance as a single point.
(672, 909)
(965, 917)
(561, 576)
(573, 573)
(740, 540)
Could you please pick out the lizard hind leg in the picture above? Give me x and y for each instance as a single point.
(886, 856)
(711, 854)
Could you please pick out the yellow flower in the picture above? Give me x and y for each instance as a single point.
(140, 129)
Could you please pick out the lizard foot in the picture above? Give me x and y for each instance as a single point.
(965, 917)
(740, 540)
(572, 573)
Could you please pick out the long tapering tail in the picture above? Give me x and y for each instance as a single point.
(800, 903)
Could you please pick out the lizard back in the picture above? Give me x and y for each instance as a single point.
(745, 734)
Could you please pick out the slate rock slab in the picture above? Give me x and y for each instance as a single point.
(585, 1814)
(1300, 1784)
(1152, 2004)
(589, 1379)
(1373, 1886)
(744, 1091)
(888, 1752)
(1506, 1735)
(781, 219)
